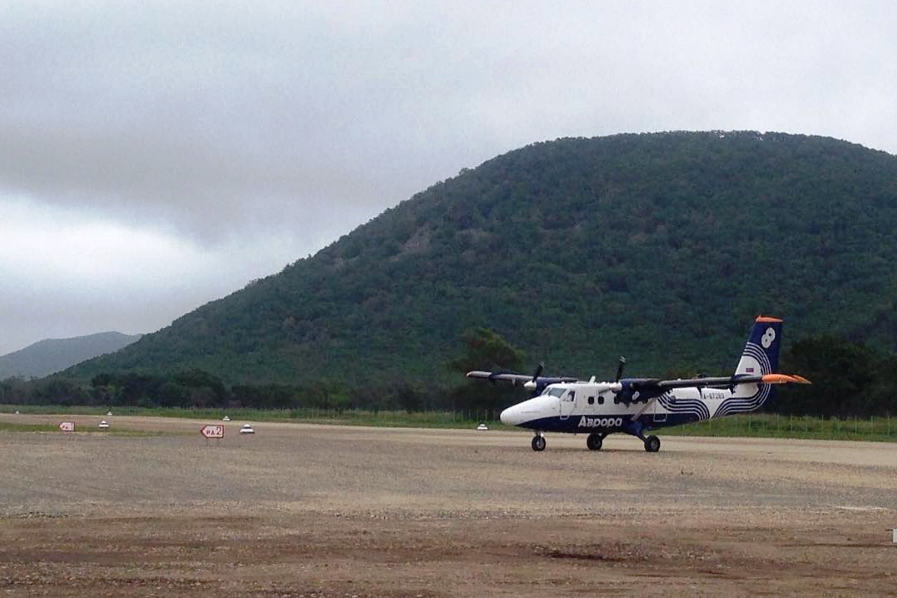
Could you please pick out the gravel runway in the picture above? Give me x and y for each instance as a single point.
(311, 510)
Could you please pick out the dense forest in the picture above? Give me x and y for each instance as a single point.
(850, 379)
(660, 247)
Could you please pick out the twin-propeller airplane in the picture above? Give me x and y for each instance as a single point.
(637, 405)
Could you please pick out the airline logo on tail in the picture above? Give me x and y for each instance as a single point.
(761, 353)
(760, 356)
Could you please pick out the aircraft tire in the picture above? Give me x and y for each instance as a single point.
(652, 444)
(538, 443)
(594, 442)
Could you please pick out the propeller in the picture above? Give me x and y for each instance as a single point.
(539, 370)
(534, 383)
(620, 369)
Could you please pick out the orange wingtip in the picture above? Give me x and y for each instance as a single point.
(767, 319)
(783, 379)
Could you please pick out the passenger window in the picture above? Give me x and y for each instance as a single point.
(616, 400)
(601, 400)
(591, 400)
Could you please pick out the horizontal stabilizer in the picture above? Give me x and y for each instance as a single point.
(784, 379)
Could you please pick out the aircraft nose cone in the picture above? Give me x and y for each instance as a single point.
(511, 416)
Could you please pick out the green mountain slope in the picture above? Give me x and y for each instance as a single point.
(660, 247)
(53, 355)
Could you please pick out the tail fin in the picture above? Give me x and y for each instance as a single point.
(760, 358)
(761, 353)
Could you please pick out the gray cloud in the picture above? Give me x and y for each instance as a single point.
(227, 124)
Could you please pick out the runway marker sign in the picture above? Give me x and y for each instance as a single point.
(67, 426)
(212, 431)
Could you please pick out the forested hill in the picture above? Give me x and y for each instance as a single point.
(660, 247)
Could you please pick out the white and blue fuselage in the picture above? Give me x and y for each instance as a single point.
(584, 407)
(636, 405)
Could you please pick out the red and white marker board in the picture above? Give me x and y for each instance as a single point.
(67, 426)
(212, 431)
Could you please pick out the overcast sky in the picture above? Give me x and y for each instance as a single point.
(158, 155)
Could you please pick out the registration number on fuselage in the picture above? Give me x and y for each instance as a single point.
(600, 422)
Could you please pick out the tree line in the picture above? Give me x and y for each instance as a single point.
(849, 379)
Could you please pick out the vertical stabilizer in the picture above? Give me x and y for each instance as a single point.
(761, 353)
(760, 357)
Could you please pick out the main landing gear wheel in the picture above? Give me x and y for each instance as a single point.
(538, 443)
(652, 444)
(594, 442)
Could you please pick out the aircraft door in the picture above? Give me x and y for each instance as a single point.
(660, 414)
(568, 402)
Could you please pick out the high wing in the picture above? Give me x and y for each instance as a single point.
(727, 381)
(640, 390)
(522, 379)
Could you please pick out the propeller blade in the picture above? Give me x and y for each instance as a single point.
(539, 370)
(620, 368)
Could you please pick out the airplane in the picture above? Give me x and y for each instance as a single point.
(636, 405)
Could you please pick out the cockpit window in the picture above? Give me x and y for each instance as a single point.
(555, 392)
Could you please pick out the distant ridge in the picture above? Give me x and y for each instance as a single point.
(54, 355)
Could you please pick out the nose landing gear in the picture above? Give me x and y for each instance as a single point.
(538, 442)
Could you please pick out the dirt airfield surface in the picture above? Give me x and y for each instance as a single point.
(330, 511)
